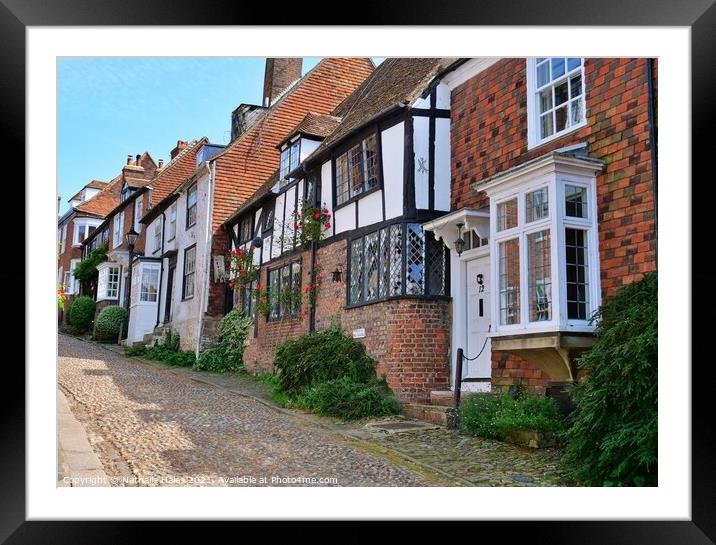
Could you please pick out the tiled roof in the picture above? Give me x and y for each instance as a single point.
(176, 171)
(260, 193)
(313, 124)
(103, 202)
(96, 184)
(252, 158)
(397, 80)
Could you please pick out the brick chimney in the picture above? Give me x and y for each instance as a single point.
(181, 144)
(279, 74)
(161, 163)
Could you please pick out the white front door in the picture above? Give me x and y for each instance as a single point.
(478, 320)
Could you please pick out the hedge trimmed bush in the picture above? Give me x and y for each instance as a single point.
(320, 357)
(331, 374)
(613, 439)
(82, 312)
(495, 416)
(110, 320)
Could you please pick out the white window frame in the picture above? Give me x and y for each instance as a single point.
(73, 285)
(103, 281)
(144, 294)
(63, 237)
(534, 138)
(172, 229)
(157, 234)
(556, 222)
(118, 229)
(138, 209)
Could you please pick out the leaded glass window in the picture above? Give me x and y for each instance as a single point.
(539, 276)
(577, 274)
(537, 205)
(393, 261)
(284, 290)
(509, 273)
(507, 215)
(575, 199)
(357, 169)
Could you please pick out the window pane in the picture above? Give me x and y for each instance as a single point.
(539, 276)
(371, 266)
(356, 271)
(577, 112)
(537, 204)
(342, 179)
(577, 274)
(560, 94)
(285, 162)
(296, 286)
(560, 119)
(396, 259)
(285, 299)
(149, 285)
(545, 100)
(370, 147)
(576, 201)
(295, 155)
(273, 293)
(507, 215)
(355, 169)
(557, 67)
(415, 263)
(546, 125)
(509, 273)
(436, 260)
(384, 262)
(573, 62)
(575, 86)
(542, 74)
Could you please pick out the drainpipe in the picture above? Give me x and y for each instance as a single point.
(207, 263)
(312, 310)
(653, 138)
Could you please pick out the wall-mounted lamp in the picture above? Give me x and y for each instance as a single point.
(460, 242)
(336, 275)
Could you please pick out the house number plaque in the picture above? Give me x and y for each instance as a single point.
(480, 282)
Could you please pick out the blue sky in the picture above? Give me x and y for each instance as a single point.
(108, 108)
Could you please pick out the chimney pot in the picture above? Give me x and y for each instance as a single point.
(129, 159)
(137, 160)
(279, 74)
(161, 163)
(181, 144)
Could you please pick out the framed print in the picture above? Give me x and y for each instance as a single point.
(406, 272)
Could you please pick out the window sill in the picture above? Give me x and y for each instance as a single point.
(356, 198)
(107, 299)
(187, 298)
(283, 319)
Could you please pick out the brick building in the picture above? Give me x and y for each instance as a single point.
(193, 292)
(485, 204)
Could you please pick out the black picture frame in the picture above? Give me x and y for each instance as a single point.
(700, 16)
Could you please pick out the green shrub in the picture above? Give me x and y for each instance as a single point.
(346, 399)
(214, 360)
(320, 357)
(82, 312)
(87, 268)
(233, 332)
(613, 438)
(495, 416)
(184, 358)
(110, 320)
(139, 350)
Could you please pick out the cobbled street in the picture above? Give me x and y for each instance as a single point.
(150, 426)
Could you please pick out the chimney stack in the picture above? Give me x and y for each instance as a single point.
(181, 144)
(161, 163)
(129, 159)
(279, 74)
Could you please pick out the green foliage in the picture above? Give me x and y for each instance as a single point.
(228, 355)
(167, 351)
(495, 416)
(344, 398)
(320, 357)
(331, 374)
(613, 438)
(109, 322)
(82, 312)
(87, 268)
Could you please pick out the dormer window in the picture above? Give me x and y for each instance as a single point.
(290, 159)
(126, 192)
(357, 170)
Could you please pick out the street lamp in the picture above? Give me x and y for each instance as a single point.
(131, 238)
(460, 242)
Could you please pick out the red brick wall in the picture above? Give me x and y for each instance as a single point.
(69, 252)
(489, 135)
(408, 338)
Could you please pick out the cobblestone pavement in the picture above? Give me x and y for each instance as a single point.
(148, 420)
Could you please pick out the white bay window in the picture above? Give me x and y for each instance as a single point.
(544, 245)
(107, 281)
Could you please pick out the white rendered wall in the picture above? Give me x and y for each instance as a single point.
(345, 218)
(370, 209)
(442, 164)
(392, 149)
(421, 132)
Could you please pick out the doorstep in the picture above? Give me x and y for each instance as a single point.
(427, 413)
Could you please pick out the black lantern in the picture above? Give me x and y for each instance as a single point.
(337, 274)
(460, 242)
(131, 237)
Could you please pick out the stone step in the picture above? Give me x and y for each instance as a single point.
(441, 398)
(427, 413)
